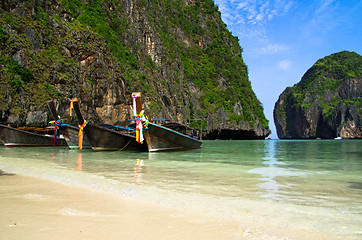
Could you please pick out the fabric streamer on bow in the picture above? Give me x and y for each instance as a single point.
(134, 96)
(80, 134)
(141, 119)
(139, 129)
(71, 106)
(56, 124)
(141, 123)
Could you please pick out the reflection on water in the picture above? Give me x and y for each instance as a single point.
(223, 176)
(79, 162)
(270, 172)
(138, 171)
(276, 170)
(311, 172)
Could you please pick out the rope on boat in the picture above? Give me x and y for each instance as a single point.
(125, 145)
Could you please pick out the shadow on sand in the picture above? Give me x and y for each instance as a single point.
(2, 173)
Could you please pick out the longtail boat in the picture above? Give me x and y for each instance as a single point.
(103, 138)
(30, 137)
(166, 137)
(70, 133)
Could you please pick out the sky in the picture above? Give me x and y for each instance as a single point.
(282, 39)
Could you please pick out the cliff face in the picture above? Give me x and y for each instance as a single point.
(326, 103)
(179, 54)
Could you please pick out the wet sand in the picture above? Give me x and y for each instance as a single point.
(32, 208)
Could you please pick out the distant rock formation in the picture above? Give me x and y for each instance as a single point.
(326, 103)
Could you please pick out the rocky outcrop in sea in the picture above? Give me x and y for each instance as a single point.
(326, 103)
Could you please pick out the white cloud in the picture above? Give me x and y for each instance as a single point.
(325, 5)
(274, 48)
(248, 19)
(323, 18)
(284, 64)
(252, 12)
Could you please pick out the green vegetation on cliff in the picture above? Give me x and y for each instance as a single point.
(212, 54)
(328, 93)
(194, 41)
(328, 73)
(325, 75)
(203, 64)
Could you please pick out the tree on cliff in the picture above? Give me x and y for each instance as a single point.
(326, 103)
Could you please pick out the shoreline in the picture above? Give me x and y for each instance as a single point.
(35, 208)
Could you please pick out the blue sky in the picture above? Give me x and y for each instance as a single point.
(282, 39)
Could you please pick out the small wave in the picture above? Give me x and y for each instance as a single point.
(36, 197)
(75, 212)
(79, 213)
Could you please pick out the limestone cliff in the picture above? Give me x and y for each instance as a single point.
(326, 103)
(179, 54)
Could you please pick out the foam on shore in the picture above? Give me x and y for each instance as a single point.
(33, 208)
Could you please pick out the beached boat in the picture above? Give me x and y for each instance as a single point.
(163, 138)
(70, 133)
(104, 138)
(30, 137)
(166, 137)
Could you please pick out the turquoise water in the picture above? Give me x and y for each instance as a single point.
(313, 185)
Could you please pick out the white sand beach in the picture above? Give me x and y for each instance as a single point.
(32, 208)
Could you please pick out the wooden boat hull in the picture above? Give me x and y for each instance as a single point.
(70, 134)
(105, 139)
(165, 139)
(13, 137)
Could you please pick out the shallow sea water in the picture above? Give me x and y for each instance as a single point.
(313, 185)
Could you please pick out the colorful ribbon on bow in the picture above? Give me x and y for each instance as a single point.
(141, 119)
(56, 124)
(80, 134)
(134, 96)
(141, 123)
(71, 106)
